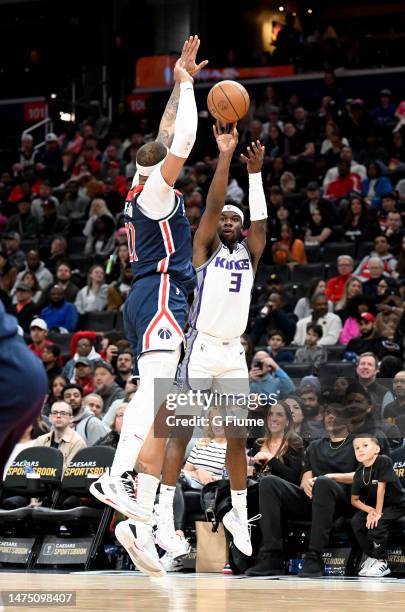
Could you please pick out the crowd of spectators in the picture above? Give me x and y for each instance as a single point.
(329, 291)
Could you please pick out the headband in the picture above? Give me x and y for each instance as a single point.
(233, 209)
(147, 170)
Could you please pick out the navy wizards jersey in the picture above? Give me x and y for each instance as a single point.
(160, 246)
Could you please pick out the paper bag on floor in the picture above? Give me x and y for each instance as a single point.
(212, 548)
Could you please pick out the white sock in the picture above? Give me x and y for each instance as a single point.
(146, 491)
(239, 503)
(166, 497)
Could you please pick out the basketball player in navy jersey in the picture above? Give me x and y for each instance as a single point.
(23, 386)
(159, 241)
(215, 359)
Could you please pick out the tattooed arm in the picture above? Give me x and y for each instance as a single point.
(188, 55)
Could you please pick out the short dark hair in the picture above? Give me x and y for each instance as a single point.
(54, 349)
(317, 329)
(151, 153)
(72, 386)
(276, 332)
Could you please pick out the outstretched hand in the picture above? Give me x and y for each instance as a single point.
(180, 73)
(189, 54)
(254, 157)
(226, 137)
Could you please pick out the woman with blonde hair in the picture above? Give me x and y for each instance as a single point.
(353, 286)
(98, 207)
(93, 297)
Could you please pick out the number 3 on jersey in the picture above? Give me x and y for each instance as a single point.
(131, 242)
(236, 281)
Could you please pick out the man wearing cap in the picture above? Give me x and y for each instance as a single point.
(384, 113)
(15, 255)
(369, 340)
(26, 156)
(49, 161)
(105, 385)
(62, 436)
(83, 374)
(73, 205)
(44, 195)
(23, 222)
(52, 223)
(336, 284)
(25, 310)
(314, 201)
(60, 313)
(38, 333)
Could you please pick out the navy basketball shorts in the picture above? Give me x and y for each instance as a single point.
(155, 314)
(23, 388)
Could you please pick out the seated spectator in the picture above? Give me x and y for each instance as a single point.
(123, 367)
(267, 377)
(51, 359)
(101, 240)
(384, 112)
(62, 436)
(312, 409)
(63, 278)
(280, 451)
(83, 374)
(23, 222)
(58, 253)
(394, 412)
(98, 207)
(81, 346)
(105, 385)
(49, 161)
(329, 463)
(356, 306)
(25, 310)
(73, 205)
(374, 185)
(359, 223)
(295, 403)
(275, 347)
(317, 231)
(24, 442)
(93, 297)
(112, 437)
(118, 291)
(330, 323)
(366, 372)
(382, 251)
(369, 339)
(272, 316)
(315, 201)
(94, 402)
(60, 314)
(53, 224)
(399, 270)
(55, 392)
(35, 265)
(344, 184)
(312, 352)
(44, 196)
(388, 204)
(376, 274)
(335, 285)
(353, 287)
(394, 231)
(15, 256)
(288, 250)
(38, 333)
(303, 306)
(31, 280)
(8, 273)
(88, 426)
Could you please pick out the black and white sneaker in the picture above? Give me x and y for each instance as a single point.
(132, 537)
(377, 569)
(119, 493)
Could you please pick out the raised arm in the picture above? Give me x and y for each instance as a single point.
(256, 240)
(188, 56)
(206, 238)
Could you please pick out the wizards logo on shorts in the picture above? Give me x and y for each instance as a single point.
(164, 333)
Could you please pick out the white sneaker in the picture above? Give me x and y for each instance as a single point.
(378, 569)
(367, 563)
(118, 492)
(170, 564)
(166, 536)
(134, 538)
(240, 531)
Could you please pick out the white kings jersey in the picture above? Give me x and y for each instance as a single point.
(222, 297)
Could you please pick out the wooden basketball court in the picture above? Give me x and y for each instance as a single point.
(205, 592)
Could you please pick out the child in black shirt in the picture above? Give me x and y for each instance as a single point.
(380, 499)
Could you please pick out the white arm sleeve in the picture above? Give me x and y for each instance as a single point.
(185, 126)
(257, 200)
(157, 197)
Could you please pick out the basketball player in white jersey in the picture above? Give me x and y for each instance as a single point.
(214, 357)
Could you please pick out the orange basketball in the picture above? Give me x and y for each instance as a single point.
(228, 101)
